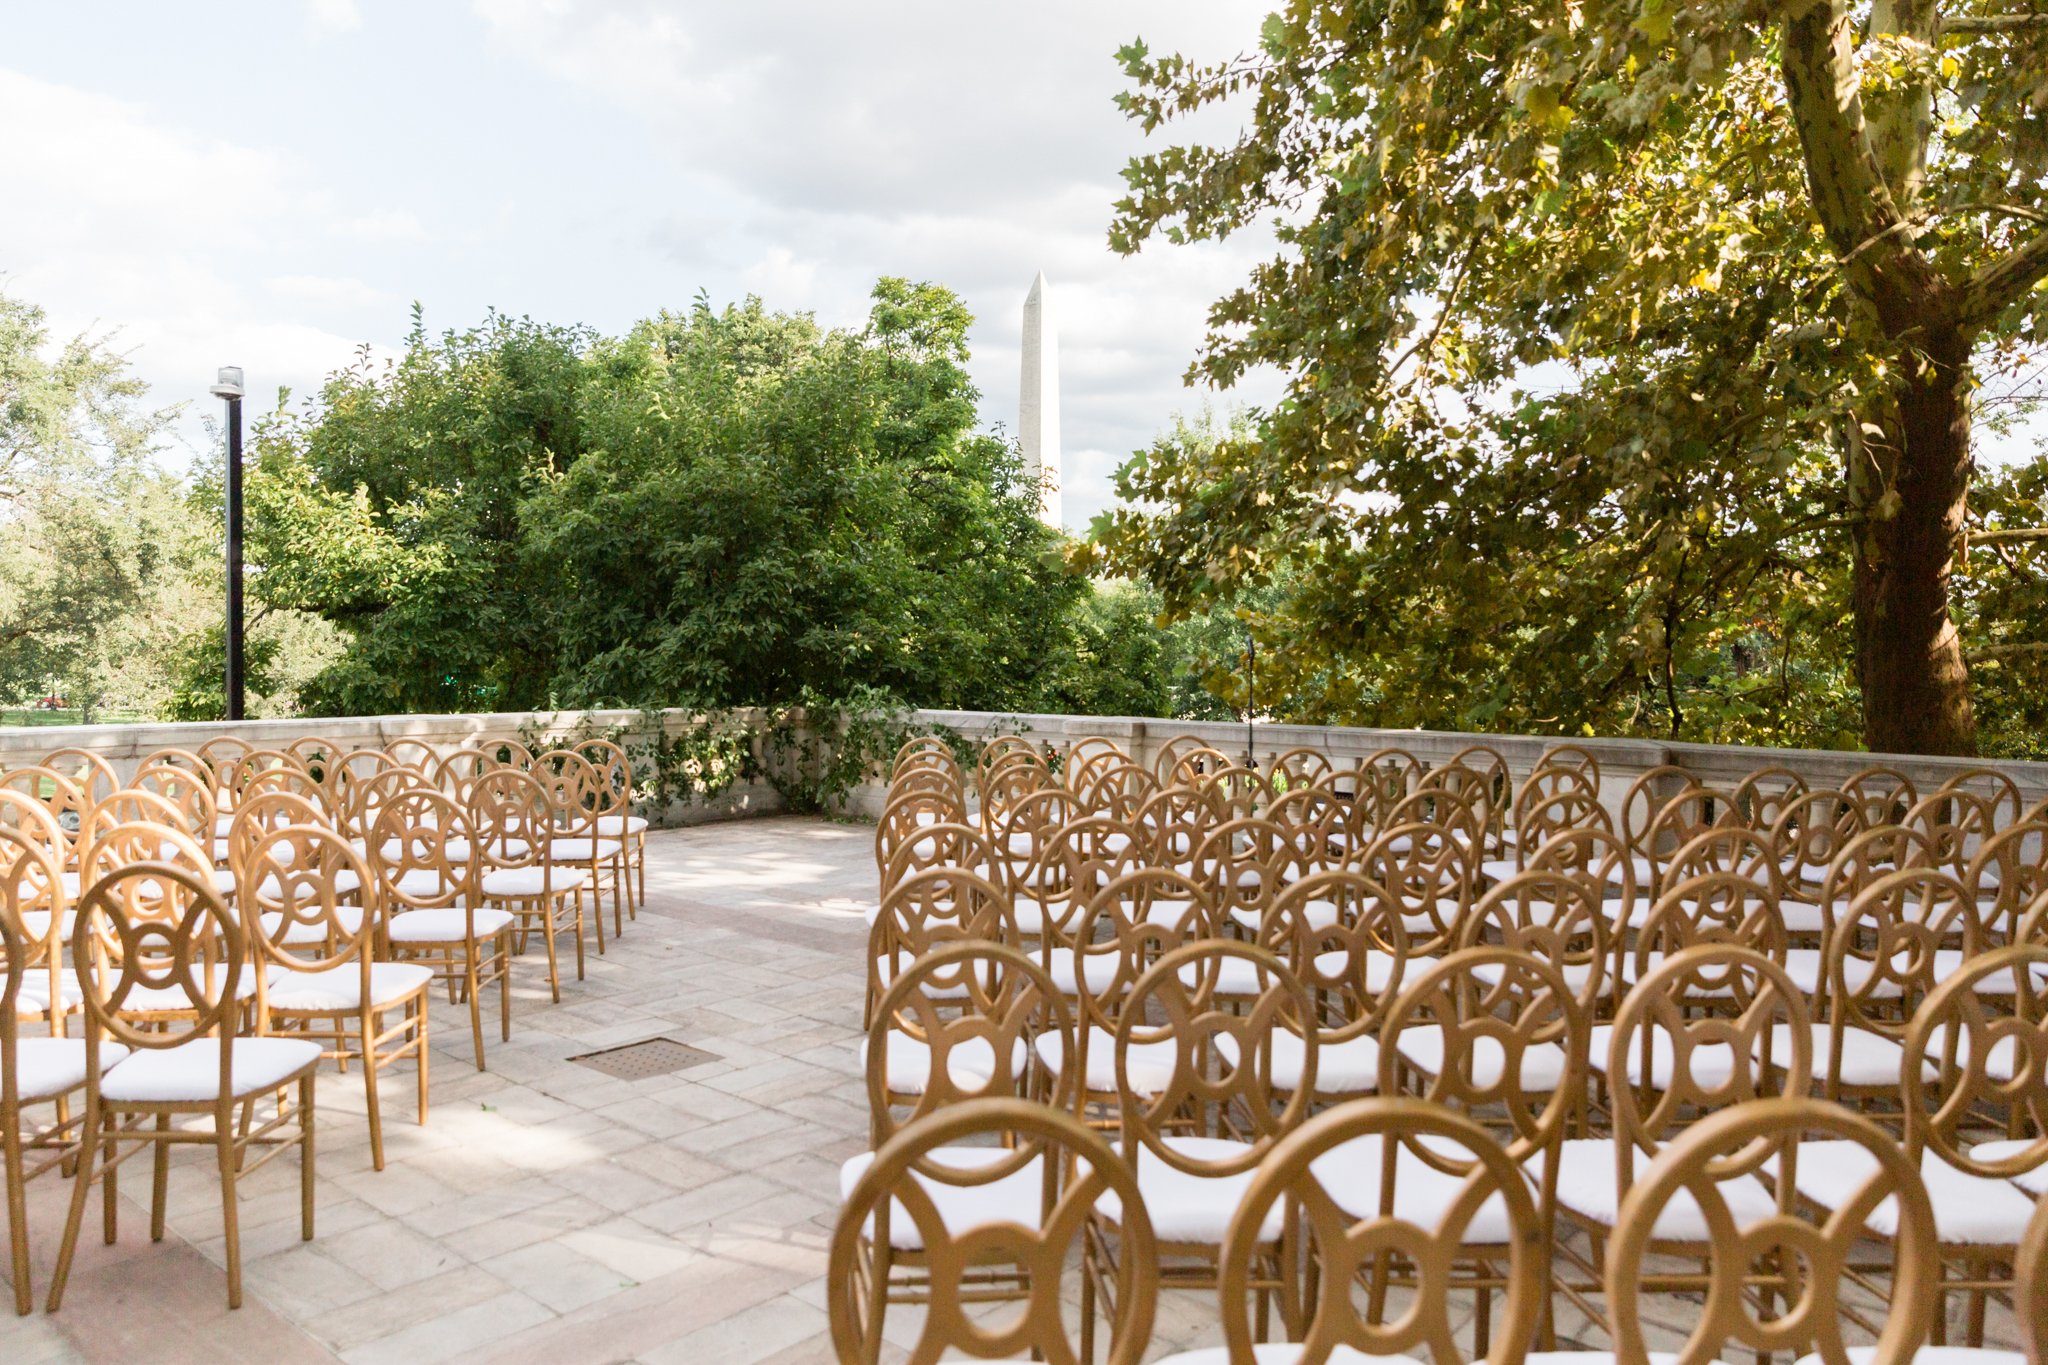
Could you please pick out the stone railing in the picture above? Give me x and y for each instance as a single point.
(1621, 760)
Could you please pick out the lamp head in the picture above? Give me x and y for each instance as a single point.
(229, 385)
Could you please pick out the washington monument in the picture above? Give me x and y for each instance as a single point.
(1038, 416)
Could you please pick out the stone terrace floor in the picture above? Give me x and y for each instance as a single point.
(548, 1212)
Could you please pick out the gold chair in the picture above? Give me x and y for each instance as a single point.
(1498, 1036)
(514, 866)
(37, 1070)
(92, 775)
(161, 929)
(1982, 1079)
(1668, 1062)
(432, 916)
(316, 921)
(924, 911)
(1766, 1254)
(1342, 934)
(575, 791)
(1483, 1190)
(1014, 1204)
(2030, 1294)
(1198, 1116)
(616, 819)
(1116, 936)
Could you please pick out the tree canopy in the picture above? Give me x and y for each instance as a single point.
(720, 507)
(1629, 369)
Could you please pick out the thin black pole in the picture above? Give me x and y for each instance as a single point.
(1251, 693)
(234, 624)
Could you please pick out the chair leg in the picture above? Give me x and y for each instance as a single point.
(547, 910)
(364, 1022)
(579, 932)
(306, 1157)
(17, 1213)
(80, 1188)
(420, 1034)
(596, 910)
(504, 987)
(160, 1177)
(476, 1008)
(110, 1189)
(230, 1216)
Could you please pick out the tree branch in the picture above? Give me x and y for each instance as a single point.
(2003, 283)
(1994, 23)
(1845, 182)
(2007, 651)
(2014, 536)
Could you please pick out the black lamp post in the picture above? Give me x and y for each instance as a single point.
(1251, 692)
(229, 386)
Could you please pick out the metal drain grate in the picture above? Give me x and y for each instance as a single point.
(653, 1057)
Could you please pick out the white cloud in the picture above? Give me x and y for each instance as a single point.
(333, 16)
(116, 222)
(326, 289)
(388, 225)
(968, 144)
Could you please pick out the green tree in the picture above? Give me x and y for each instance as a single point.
(720, 507)
(96, 535)
(1630, 347)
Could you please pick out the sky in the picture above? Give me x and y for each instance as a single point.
(276, 185)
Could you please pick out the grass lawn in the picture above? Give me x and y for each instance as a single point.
(22, 715)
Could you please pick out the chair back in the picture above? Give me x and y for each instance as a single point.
(1669, 1060)
(1342, 933)
(156, 927)
(1986, 1065)
(974, 1011)
(1732, 1144)
(1347, 1250)
(31, 889)
(1214, 1072)
(419, 850)
(1493, 1015)
(308, 903)
(92, 775)
(1077, 1168)
(188, 792)
(1555, 917)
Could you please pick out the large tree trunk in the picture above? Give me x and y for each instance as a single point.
(1913, 486)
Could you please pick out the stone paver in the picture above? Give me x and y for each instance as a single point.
(548, 1212)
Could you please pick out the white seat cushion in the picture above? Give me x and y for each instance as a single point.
(35, 925)
(1928, 1355)
(1334, 966)
(348, 920)
(1186, 1207)
(1350, 1067)
(1100, 969)
(1350, 1173)
(1017, 1198)
(1593, 1358)
(526, 883)
(1150, 1064)
(48, 1067)
(582, 850)
(1867, 1058)
(341, 988)
(1543, 1064)
(1969, 1209)
(424, 884)
(1282, 1353)
(191, 1070)
(458, 850)
(971, 1063)
(1587, 1186)
(446, 926)
(2034, 1182)
(617, 825)
(160, 999)
(34, 996)
(343, 880)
